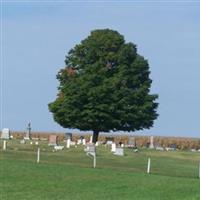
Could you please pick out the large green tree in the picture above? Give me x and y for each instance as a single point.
(105, 86)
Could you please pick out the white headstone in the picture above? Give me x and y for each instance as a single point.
(90, 139)
(68, 143)
(151, 146)
(84, 141)
(119, 151)
(113, 147)
(79, 141)
(5, 134)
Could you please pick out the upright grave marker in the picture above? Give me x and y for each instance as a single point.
(151, 146)
(90, 139)
(53, 140)
(84, 141)
(131, 142)
(68, 137)
(113, 147)
(28, 132)
(5, 134)
(68, 143)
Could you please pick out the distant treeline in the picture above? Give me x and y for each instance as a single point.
(141, 141)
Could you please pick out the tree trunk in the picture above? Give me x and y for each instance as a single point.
(95, 136)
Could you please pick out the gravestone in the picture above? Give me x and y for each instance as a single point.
(53, 140)
(119, 151)
(5, 134)
(131, 142)
(84, 141)
(28, 132)
(151, 146)
(113, 147)
(68, 136)
(68, 143)
(90, 139)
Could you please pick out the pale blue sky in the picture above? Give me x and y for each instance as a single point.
(37, 36)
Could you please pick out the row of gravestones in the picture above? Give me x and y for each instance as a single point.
(90, 148)
(53, 141)
(53, 138)
(5, 133)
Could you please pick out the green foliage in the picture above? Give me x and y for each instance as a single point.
(105, 86)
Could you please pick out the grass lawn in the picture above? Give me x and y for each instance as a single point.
(68, 174)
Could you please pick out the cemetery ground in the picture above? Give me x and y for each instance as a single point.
(68, 174)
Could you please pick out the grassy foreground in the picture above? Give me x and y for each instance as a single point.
(68, 175)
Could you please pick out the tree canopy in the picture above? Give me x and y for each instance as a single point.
(105, 86)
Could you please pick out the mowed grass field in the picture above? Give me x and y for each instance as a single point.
(68, 174)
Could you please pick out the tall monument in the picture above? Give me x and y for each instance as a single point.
(28, 132)
(151, 146)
